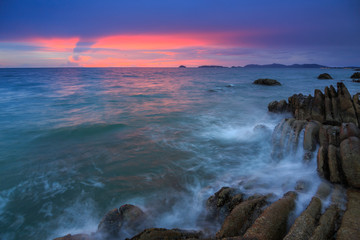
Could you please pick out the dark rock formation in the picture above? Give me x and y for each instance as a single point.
(166, 234)
(305, 224)
(241, 217)
(327, 224)
(350, 225)
(266, 81)
(128, 218)
(278, 107)
(331, 108)
(271, 224)
(355, 75)
(222, 202)
(182, 66)
(350, 160)
(75, 237)
(324, 76)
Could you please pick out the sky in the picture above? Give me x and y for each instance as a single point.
(169, 33)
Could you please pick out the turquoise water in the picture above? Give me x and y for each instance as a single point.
(76, 142)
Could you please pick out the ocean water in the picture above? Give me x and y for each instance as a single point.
(77, 142)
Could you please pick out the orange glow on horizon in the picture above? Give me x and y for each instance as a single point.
(143, 50)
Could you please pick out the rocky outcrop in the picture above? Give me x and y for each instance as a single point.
(324, 76)
(331, 108)
(355, 75)
(166, 234)
(305, 224)
(350, 225)
(241, 217)
(127, 219)
(222, 203)
(267, 82)
(76, 237)
(327, 225)
(271, 224)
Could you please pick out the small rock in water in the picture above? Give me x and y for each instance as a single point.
(356, 75)
(324, 76)
(266, 81)
(230, 85)
(128, 218)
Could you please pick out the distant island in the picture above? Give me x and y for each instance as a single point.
(277, 65)
(211, 66)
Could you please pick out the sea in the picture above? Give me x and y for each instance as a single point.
(78, 142)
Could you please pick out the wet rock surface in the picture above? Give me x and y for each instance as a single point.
(271, 224)
(350, 225)
(241, 217)
(126, 220)
(305, 224)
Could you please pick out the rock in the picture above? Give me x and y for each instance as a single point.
(222, 202)
(327, 224)
(182, 66)
(333, 135)
(302, 186)
(75, 237)
(301, 106)
(318, 109)
(350, 160)
(334, 164)
(350, 225)
(272, 222)
(266, 81)
(128, 218)
(323, 135)
(335, 102)
(323, 190)
(355, 75)
(278, 107)
(305, 224)
(324, 76)
(241, 218)
(349, 130)
(347, 109)
(166, 234)
(311, 136)
(356, 102)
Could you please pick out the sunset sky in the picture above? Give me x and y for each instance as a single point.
(168, 33)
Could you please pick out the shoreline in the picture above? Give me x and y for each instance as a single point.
(330, 124)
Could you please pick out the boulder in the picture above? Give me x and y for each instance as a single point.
(241, 218)
(166, 234)
(266, 81)
(323, 190)
(278, 107)
(324, 76)
(350, 225)
(355, 75)
(127, 219)
(349, 130)
(271, 224)
(222, 202)
(327, 224)
(350, 160)
(305, 224)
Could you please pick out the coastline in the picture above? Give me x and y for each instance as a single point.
(330, 122)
